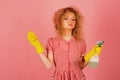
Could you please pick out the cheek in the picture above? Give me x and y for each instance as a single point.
(64, 23)
(74, 23)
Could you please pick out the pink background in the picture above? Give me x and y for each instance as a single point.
(18, 59)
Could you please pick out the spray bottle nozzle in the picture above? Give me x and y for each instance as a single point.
(100, 43)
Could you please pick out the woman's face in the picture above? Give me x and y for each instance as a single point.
(68, 21)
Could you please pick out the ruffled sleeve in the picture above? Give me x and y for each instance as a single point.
(83, 46)
(50, 46)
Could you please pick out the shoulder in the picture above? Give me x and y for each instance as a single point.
(53, 40)
(81, 42)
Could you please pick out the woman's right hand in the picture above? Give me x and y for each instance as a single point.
(33, 40)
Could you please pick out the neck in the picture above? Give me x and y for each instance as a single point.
(67, 34)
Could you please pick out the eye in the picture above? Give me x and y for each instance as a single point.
(65, 18)
(73, 19)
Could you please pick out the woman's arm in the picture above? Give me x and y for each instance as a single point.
(48, 61)
(33, 40)
(83, 63)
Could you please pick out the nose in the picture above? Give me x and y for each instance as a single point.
(70, 21)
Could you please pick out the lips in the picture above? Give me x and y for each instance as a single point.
(70, 24)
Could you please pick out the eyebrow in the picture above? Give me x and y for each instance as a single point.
(68, 16)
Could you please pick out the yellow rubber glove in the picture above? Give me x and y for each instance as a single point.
(96, 50)
(32, 38)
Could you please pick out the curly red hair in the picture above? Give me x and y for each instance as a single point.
(77, 31)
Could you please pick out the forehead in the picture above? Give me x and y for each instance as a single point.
(67, 14)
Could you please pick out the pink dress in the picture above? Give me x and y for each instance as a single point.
(66, 58)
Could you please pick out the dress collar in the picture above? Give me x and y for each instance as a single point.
(61, 38)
